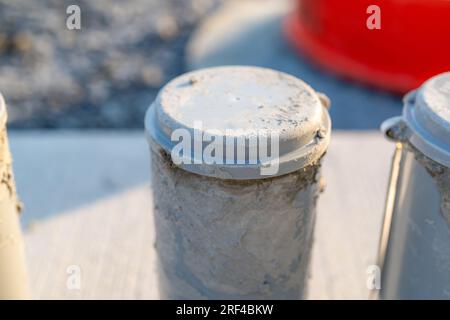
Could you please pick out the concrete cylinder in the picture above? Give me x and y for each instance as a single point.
(415, 248)
(235, 223)
(13, 276)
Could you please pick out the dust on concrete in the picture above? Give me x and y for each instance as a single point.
(441, 176)
(225, 239)
(6, 172)
(305, 176)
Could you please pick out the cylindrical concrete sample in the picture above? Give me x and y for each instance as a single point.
(13, 279)
(236, 155)
(415, 246)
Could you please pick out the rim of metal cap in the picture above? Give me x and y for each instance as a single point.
(427, 115)
(425, 122)
(247, 98)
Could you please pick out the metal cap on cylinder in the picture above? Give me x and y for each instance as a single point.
(425, 122)
(239, 107)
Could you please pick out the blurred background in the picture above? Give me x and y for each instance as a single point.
(106, 74)
(102, 76)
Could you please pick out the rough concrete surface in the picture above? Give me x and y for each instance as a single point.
(13, 277)
(226, 239)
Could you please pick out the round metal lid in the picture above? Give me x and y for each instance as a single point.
(427, 115)
(274, 122)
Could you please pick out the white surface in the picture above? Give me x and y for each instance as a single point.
(59, 171)
(108, 232)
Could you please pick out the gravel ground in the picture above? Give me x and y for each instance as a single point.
(102, 76)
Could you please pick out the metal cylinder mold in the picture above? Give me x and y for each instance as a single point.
(415, 246)
(13, 277)
(236, 155)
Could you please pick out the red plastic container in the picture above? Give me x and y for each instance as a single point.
(412, 45)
